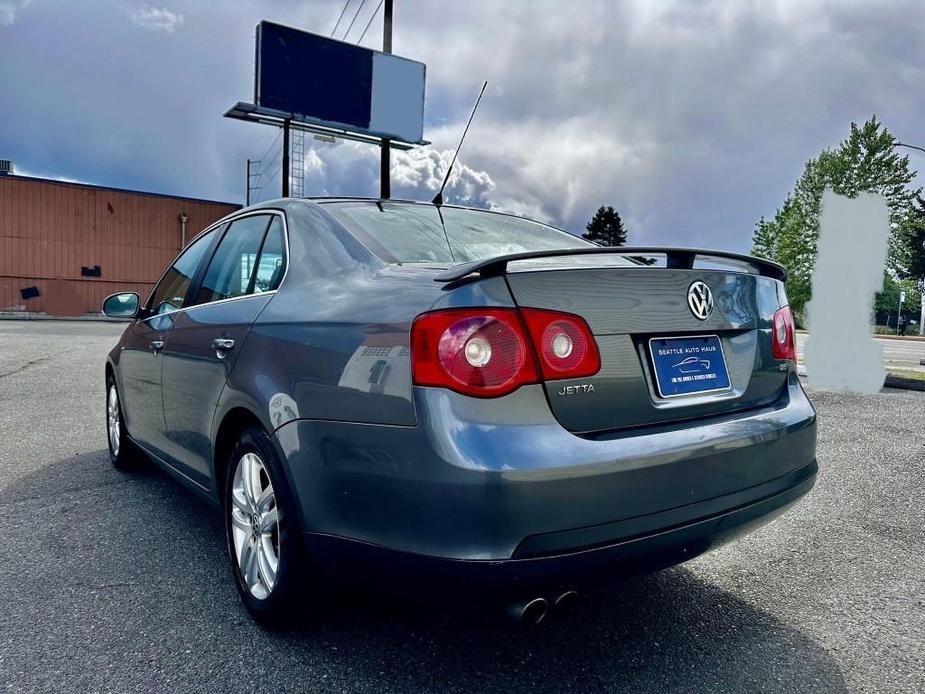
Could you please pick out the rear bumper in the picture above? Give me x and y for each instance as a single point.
(482, 482)
(653, 550)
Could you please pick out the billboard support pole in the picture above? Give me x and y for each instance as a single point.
(385, 184)
(285, 165)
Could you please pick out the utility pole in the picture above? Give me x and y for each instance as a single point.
(385, 184)
(247, 195)
(285, 165)
(922, 308)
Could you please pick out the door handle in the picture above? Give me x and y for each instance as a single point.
(222, 345)
(157, 346)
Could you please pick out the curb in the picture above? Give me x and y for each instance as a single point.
(893, 381)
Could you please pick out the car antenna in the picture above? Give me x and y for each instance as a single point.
(438, 198)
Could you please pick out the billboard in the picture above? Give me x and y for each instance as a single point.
(339, 85)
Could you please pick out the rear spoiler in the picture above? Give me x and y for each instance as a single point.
(677, 259)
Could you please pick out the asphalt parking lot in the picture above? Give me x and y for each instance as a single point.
(115, 582)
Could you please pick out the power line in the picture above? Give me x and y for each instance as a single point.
(337, 24)
(272, 144)
(357, 14)
(265, 164)
(270, 179)
(369, 23)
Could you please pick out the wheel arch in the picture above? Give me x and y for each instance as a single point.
(234, 421)
(110, 370)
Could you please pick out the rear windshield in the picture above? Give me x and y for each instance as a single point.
(408, 233)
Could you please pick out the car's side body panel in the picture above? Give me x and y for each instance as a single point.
(194, 374)
(340, 350)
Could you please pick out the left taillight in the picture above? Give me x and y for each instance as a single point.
(481, 352)
(492, 352)
(783, 335)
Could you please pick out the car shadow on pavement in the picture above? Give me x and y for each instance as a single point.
(141, 587)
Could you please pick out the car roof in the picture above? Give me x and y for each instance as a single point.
(324, 200)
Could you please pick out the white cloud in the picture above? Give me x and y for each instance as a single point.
(422, 171)
(9, 10)
(353, 169)
(157, 19)
(693, 119)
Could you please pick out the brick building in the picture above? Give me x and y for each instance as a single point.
(65, 246)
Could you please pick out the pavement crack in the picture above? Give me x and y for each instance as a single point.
(27, 365)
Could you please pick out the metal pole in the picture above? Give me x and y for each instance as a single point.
(385, 184)
(184, 218)
(922, 308)
(285, 166)
(899, 310)
(247, 195)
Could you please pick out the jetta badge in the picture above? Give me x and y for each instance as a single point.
(700, 300)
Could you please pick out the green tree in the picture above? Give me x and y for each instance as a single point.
(606, 228)
(910, 256)
(865, 161)
(886, 302)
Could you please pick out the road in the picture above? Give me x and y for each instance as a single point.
(898, 355)
(119, 583)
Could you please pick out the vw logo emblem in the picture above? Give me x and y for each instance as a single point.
(700, 300)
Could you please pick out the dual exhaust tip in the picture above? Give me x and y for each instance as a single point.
(534, 610)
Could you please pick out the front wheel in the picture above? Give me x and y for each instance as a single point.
(262, 530)
(122, 452)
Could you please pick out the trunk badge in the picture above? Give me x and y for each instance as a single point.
(577, 390)
(700, 300)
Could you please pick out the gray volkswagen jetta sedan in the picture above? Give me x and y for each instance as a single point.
(439, 392)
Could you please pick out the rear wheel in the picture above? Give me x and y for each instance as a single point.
(122, 453)
(263, 536)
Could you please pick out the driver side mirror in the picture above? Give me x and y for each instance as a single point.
(123, 305)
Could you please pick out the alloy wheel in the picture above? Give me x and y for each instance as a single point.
(113, 420)
(255, 525)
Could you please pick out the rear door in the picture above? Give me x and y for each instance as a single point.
(633, 310)
(203, 345)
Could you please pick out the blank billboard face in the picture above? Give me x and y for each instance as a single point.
(338, 84)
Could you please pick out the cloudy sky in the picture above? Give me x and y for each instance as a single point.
(692, 118)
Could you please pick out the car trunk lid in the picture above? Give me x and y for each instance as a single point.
(633, 309)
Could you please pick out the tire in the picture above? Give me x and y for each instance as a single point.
(123, 454)
(261, 525)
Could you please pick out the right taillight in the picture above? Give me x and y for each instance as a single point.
(783, 335)
(564, 344)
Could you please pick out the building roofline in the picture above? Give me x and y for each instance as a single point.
(94, 186)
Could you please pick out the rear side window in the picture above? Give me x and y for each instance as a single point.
(170, 292)
(271, 265)
(235, 260)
